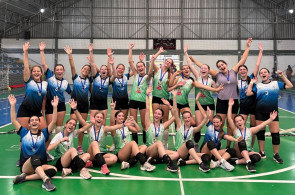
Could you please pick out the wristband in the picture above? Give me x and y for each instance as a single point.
(74, 109)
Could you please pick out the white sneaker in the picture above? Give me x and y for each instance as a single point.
(84, 173)
(214, 164)
(125, 165)
(112, 148)
(66, 171)
(225, 165)
(147, 167)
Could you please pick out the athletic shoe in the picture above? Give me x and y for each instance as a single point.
(84, 173)
(66, 171)
(172, 168)
(20, 178)
(181, 162)
(80, 150)
(214, 164)
(232, 161)
(197, 148)
(250, 167)
(48, 186)
(125, 165)
(147, 167)
(262, 154)
(105, 170)
(17, 163)
(203, 167)
(151, 160)
(277, 158)
(49, 157)
(112, 148)
(88, 164)
(225, 165)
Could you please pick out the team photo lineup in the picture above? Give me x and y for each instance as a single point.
(225, 99)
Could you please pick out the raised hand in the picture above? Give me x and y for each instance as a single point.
(166, 102)
(12, 99)
(254, 80)
(273, 115)
(231, 102)
(111, 60)
(219, 88)
(185, 49)
(149, 90)
(54, 102)
(92, 120)
(110, 52)
(141, 56)
(260, 46)
(26, 46)
(113, 105)
(174, 92)
(90, 60)
(178, 72)
(161, 49)
(280, 73)
(68, 49)
(73, 104)
(90, 47)
(249, 42)
(42, 46)
(240, 138)
(198, 96)
(131, 45)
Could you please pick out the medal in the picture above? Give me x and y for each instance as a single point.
(33, 143)
(203, 90)
(159, 87)
(58, 87)
(83, 83)
(138, 83)
(39, 94)
(154, 140)
(244, 134)
(185, 134)
(121, 83)
(228, 81)
(157, 132)
(39, 89)
(33, 149)
(94, 131)
(102, 83)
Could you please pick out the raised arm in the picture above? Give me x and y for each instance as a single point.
(73, 105)
(131, 62)
(69, 51)
(91, 60)
(261, 126)
(199, 85)
(249, 91)
(114, 71)
(12, 101)
(134, 127)
(147, 103)
(171, 120)
(54, 104)
(27, 73)
(52, 146)
(203, 122)
(172, 80)
(175, 110)
(201, 107)
(156, 68)
(258, 61)
(42, 47)
(231, 124)
(244, 56)
(286, 81)
(211, 71)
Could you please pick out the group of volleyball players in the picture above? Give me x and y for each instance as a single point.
(236, 100)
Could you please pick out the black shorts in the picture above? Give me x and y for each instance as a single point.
(222, 106)
(247, 109)
(137, 105)
(72, 165)
(211, 106)
(122, 103)
(98, 104)
(27, 112)
(22, 162)
(94, 161)
(82, 107)
(157, 100)
(179, 106)
(264, 116)
(60, 107)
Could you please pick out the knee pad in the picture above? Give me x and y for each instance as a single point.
(132, 161)
(50, 172)
(197, 137)
(99, 159)
(77, 163)
(261, 135)
(242, 145)
(189, 144)
(140, 157)
(166, 159)
(231, 152)
(255, 158)
(58, 129)
(275, 138)
(211, 145)
(35, 161)
(206, 158)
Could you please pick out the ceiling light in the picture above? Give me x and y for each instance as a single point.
(291, 11)
(42, 10)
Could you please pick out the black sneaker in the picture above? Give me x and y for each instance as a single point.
(232, 161)
(250, 167)
(20, 178)
(277, 158)
(48, 186)
(17, 163)
(181, 162)
(203, 167)
(262, 154)
(172, 168)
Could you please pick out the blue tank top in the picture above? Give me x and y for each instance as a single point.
(80, 88)
(120, 87)
(100, 87)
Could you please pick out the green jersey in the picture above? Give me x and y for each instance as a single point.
(160, 84)
(183, 91)
(154, 134)
(181, 136)
(100, 137)
(122, 137)
(206, 96)
(139, 87)
(247, 137)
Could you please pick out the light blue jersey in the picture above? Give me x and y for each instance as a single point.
(243, 86)
(267, 95)
(35, 92)
(120, 87)
(212, 135)
(100, 87)
(56, 87)
(80, 88)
